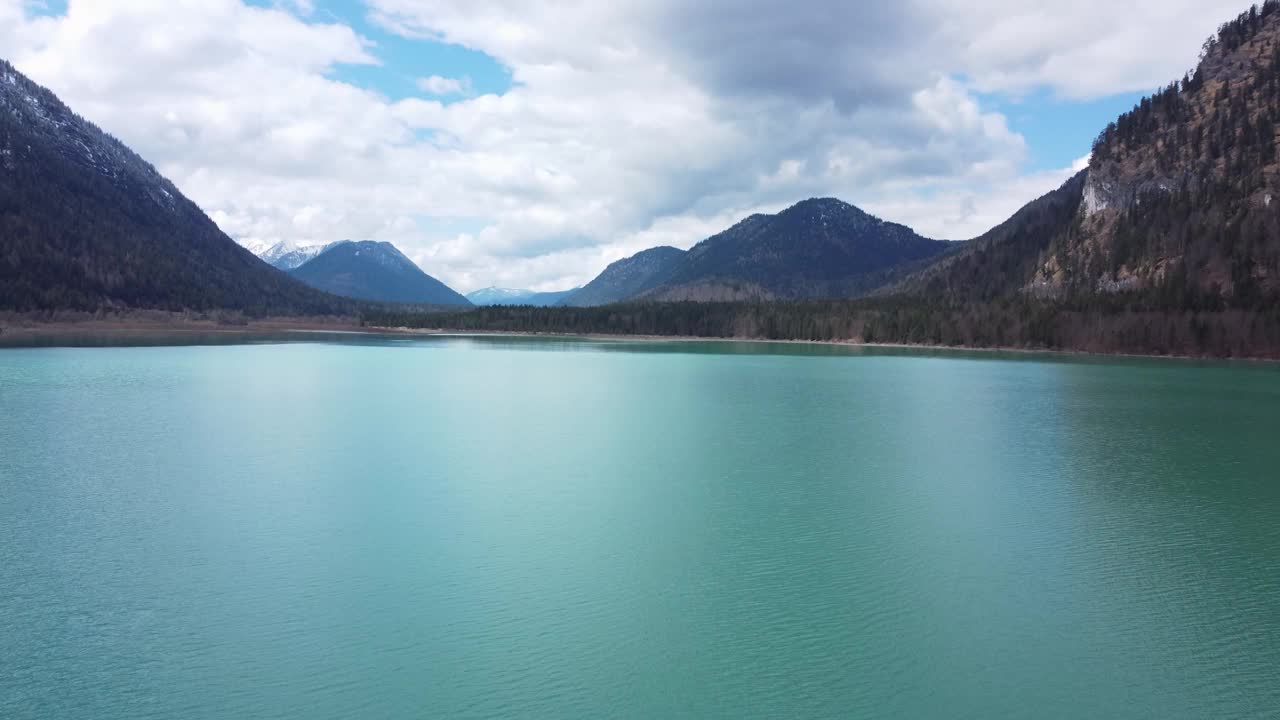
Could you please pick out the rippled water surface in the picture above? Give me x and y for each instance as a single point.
(489, 528)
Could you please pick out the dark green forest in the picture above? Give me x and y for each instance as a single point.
(1112, 324)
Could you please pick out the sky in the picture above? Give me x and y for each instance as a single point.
(516, 143)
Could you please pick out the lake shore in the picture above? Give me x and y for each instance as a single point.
(14, 328)
(18, 331)
(826, 343)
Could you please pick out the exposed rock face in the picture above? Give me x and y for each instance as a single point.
(1097, 196)
(1178, 193)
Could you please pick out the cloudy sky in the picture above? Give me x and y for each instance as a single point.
(527, 144)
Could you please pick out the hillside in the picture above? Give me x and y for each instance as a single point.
(89, 225)
(1177, 208)
(1179, 199)
(1180, 196)
(1000, 261)
(816, 248)
(375, 271)
(627, 278)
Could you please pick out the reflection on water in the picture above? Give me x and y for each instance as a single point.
(323, 526)
(561, 343)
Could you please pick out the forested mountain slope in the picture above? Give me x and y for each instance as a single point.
(1181, 195)
(1000, 261)
(86, 224)
(820, 247)
(1179, 207)
(627, 278)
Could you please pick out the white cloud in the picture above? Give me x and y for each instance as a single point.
(629, 124)
(1082, 49)
(301, 7)
(444, 86)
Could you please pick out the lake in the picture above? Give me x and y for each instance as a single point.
(498, 527)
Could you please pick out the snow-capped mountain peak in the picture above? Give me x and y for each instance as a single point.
(287, 255)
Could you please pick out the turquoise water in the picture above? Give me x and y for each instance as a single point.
(493, 528)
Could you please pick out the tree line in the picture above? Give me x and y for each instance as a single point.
(1106, 324)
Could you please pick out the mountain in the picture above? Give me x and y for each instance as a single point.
(550, 298)
(1180, 198)
(1178, 207)
(286, 255)
(88, 225)
(498, 296)
(1001, 260)
(509, 296)
(815, 248)
(375, 271)
(1167, 243)
(627, 278)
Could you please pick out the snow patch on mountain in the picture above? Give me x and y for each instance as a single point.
(287, 255)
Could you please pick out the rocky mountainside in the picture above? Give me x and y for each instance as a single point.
(376, 271)
(1179, 207)
(1181, 194)
(88, 225)
(816, 248)
(628, 278)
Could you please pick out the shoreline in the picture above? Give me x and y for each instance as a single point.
(40, 333)
(828, 343)
(24, 327)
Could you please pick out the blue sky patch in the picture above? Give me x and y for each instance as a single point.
(1057, 131)
(405, 61)
(47, 7)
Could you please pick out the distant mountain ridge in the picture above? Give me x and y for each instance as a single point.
(821, 247)
(286, 255)
(497, 296)
(512, 296)
(375, 271)
(625, 279)
(89, 225)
